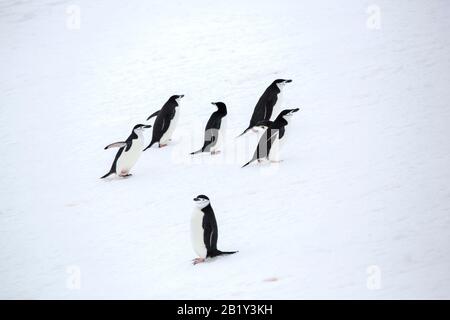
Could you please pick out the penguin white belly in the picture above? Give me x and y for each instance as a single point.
(173, 123)
(129, 158)
(220, 136)
(197, 233)
(274, 153)
(278, 106)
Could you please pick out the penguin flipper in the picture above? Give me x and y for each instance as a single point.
(120, 144)
(263, 109)
(154, 114)
(113, 167)
(196, 152)
(159, 128)
(248, 163)
(210, 140)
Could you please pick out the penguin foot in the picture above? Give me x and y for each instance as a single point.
(276, 161)
(197, 261)
(125, 175)
(215, 152)
(163, 145)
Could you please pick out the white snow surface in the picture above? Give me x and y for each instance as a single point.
(359, 208)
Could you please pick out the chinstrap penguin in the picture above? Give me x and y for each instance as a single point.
(129, 152)
(204, 232)
(166, 121)
(214, 130)
(266, 103)
(270, 142)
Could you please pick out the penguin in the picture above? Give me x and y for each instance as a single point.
(165, 123)
(214, 129)
(204, 230)
(129, 152)
(272, 138)
(266, 103)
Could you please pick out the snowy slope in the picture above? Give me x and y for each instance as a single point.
(365, 177)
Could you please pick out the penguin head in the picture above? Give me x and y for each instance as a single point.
(140, 128)
(288, 113)
(176, 97)
(201, 201)
(280, 83)
(221, 107)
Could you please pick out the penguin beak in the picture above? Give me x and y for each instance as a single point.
(292, 111)
(214, 103)
(181, 96)
(288, 81)
(147, 126)
(196, 199)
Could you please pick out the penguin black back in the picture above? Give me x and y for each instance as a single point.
(215, 119)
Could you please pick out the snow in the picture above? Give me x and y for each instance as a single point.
(358, 209)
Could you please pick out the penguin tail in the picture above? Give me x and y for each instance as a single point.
(107, 175)
(196, 152)
(225, 252)
(247, 164)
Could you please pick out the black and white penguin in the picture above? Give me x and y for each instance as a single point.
(214, 130)
(166, 121)
(266, 103)
(129, 152)
(204, 230)
(270, 143)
